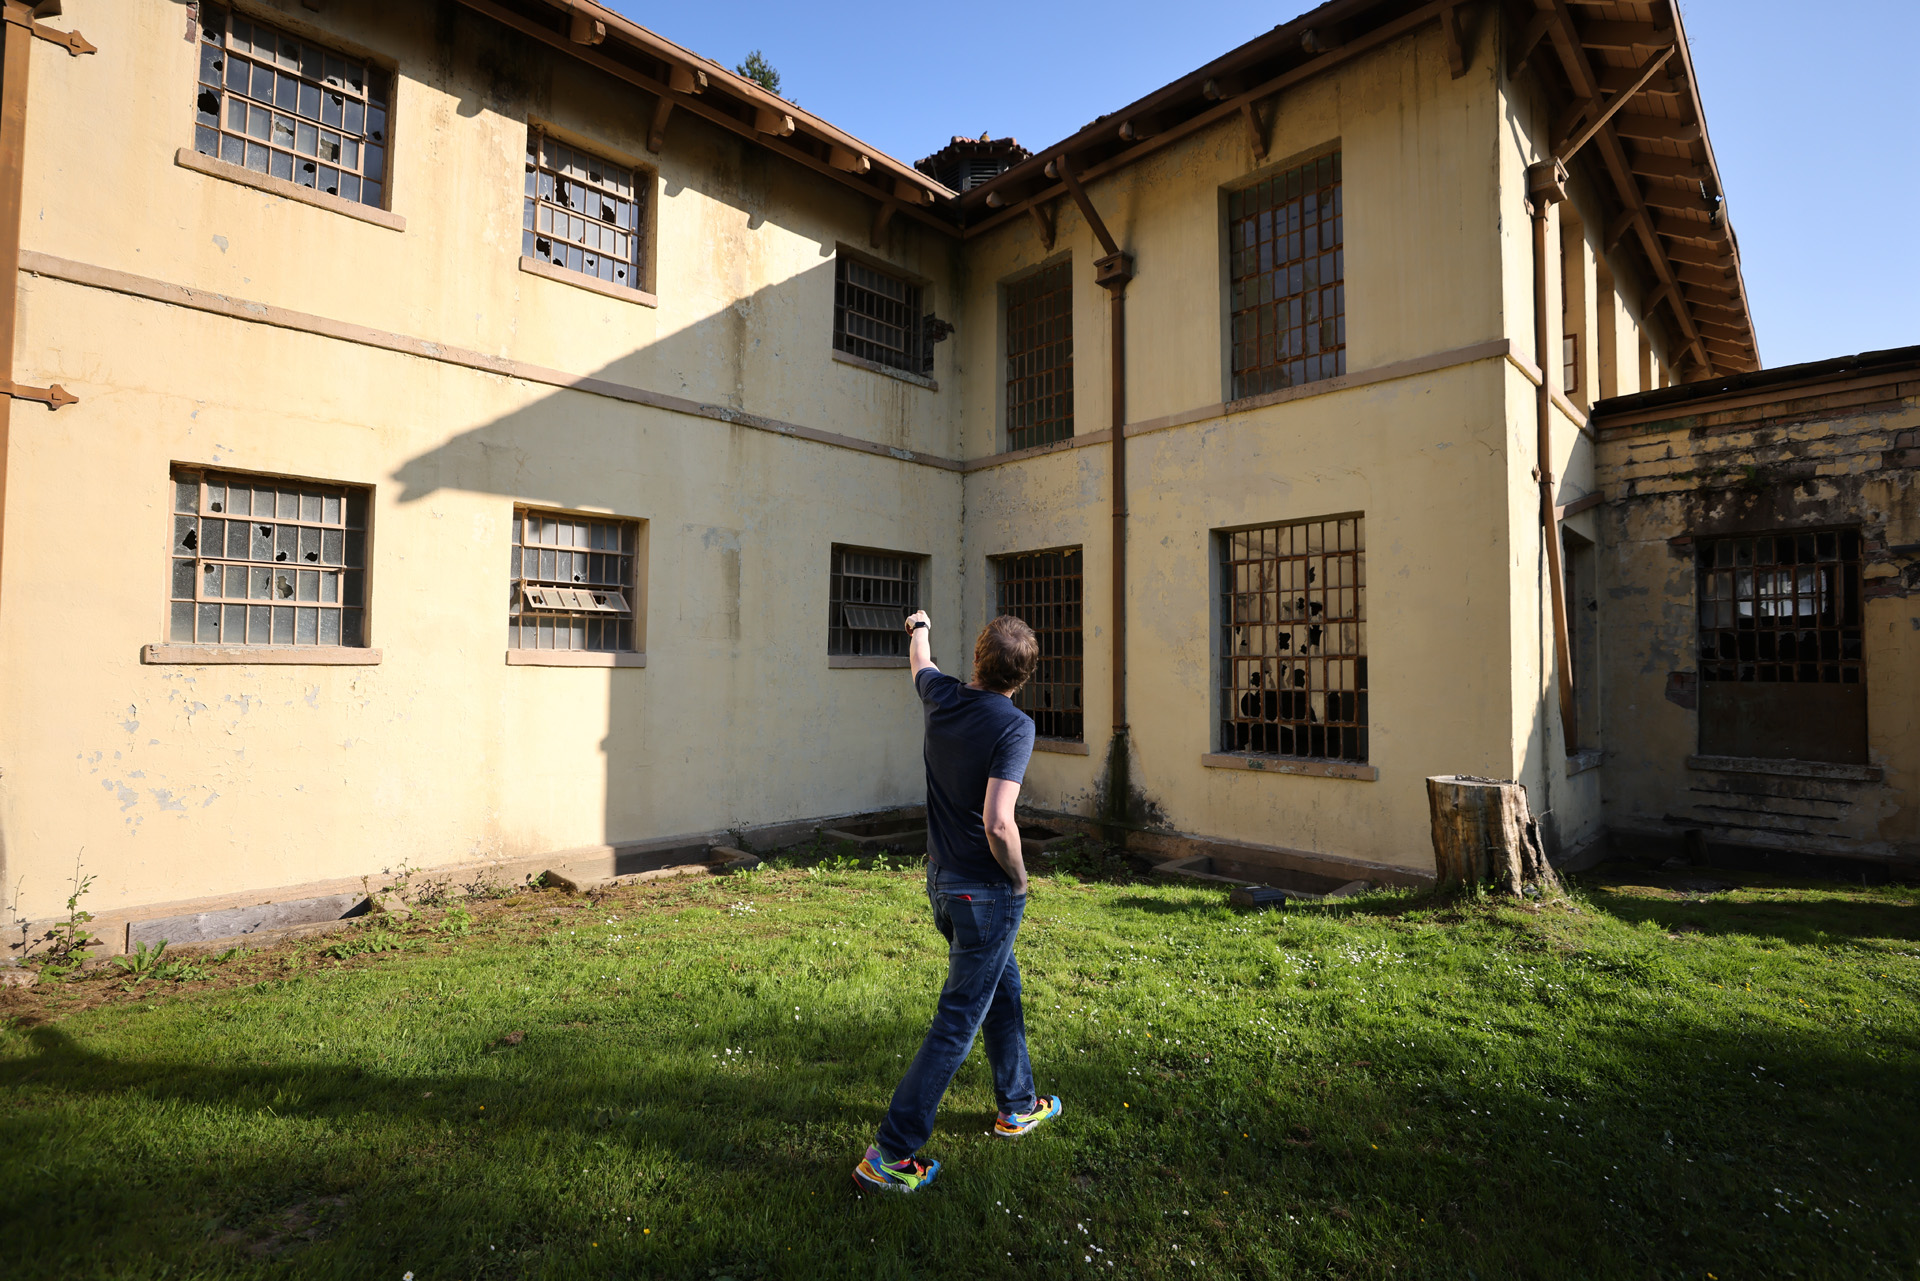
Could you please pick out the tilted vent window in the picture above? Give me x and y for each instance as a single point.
(1042, 590)
(1040, 357)
(878, 316)
(1781, 646)
(571, 582)
(1293, 644)
(1287, 267)
(582, 213)
(869, 597)
(263, 561)
(285, 107)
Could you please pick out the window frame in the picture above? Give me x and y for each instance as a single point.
(922, 372)
(1076, 659)
(169, 650)
(328, 44)
(1233, 389)
(916, 594)
(645, 195)
(1227, 750)
(1063, 264)
(634, 589)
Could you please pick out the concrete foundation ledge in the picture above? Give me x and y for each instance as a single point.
(1788, 769)
(1156, 847)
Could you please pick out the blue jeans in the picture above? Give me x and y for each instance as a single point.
(982, 993)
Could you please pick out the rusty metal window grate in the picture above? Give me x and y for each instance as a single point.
(571, 582)
(285, 107)
(868, 599)
(263, 561)
(1040, 358)
(1781, 608)
(878, 316)
(1287, 267)
(582, 213)
(1042, 589)
(1293, 665)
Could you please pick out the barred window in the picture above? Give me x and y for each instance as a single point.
(1782, 663)
(1042, 589)
(283, 106)
(1040, 357)
(582, 213)
(571, 582)
(1293, 666)
(1287, 265)
(259, 560)
(878, 316)
(869, 596)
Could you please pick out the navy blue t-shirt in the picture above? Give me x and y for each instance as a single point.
(972, 735)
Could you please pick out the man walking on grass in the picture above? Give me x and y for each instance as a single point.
(977, 747)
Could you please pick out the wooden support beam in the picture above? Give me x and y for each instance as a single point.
(1620, 226)
(1062, 169)
(1680, 200)
(1137, 130)
(1655, 128)
(688, 80)
(1711, 277)
(586, 30)
(1678, 228)
(778, 124)
(1718, 329)
(1620, 79)
(848, 161)
(1700, 255)
(1042, 223)
(1530, 37)
(1256, 134)
(657, 131)
(1683, 168)
(1456, 40)
(1571, 145)
(1570, 117)
(1623, 37)
(908, 193)
(881, 217)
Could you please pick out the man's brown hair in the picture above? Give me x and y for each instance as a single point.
(1005, 655)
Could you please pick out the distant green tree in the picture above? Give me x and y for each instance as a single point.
(757, 69)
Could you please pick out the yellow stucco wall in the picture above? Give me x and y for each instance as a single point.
(183, 781)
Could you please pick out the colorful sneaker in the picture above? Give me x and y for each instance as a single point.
(875, 1173)
(1011, 1125)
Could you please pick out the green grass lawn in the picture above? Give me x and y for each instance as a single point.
(675, 1081)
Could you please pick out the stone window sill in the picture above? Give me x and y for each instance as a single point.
(592, 284)
(874, 366)
(1787, 769)
(1581, 762)
(573, 658)
(188, 158)
(1292, 765)
(1064, 746)
(264, 655)
(864, 660)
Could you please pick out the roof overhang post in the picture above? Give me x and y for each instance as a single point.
(1457, 51)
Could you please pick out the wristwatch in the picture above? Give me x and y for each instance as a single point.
(914, 627)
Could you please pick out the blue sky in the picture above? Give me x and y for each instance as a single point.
(1811, 111)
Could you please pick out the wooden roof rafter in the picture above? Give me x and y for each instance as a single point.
(683, 81)
(1656, 208)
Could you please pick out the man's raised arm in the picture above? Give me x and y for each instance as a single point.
(919, 647)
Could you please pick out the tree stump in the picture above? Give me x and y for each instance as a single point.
(1484, 832)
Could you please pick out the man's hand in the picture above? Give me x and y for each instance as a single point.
(920, 643)
(1003, 830)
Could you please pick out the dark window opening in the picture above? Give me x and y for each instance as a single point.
(1293, 666)
(1287, 268)
(1781, 658)
(869, 597)
(582, 213)
(571, 582)
(285, 107)
(1042, 589)
(1040, 358)
(259, 560)
(878, 316)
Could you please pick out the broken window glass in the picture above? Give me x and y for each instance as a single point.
(577, 204)
(275, 96)
(1286, 273)
(276, 559)
(1039, 327)
(1043, 590)
(571, 599)
(1293, 666)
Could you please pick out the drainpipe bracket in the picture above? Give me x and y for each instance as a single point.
(1547, 182)
(53, 397)
(1113, 271)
